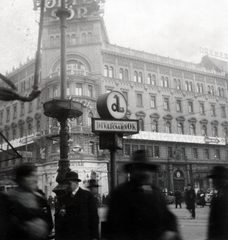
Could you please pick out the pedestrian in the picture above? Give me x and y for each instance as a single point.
(24, 213)
(190, 200)
(137, 209)
(93, 187)
(218, 218)
(77, 215)
(178, 198)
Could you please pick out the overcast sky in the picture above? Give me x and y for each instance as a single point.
(170, 28)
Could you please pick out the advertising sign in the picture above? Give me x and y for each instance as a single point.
(115, 126)
(112, 105)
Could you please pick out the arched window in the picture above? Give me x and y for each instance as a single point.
(178, 84)
(154, 125)
(186, 86)
(190, 87)
(201, 88)
(212, 90)
(149, 79)
(153, 80)
(51, 41)
(68, 40)
(222, 92)
(121, 73)
(204, 130)
(214, 131)
(38, 126)
(166, 82)
(198, 87)
(106, 71)
(180, 129)
(162, 81)
(89, 37)
(209, 89)
(140, 78)
(192, 129)
(225, 132)
(29, 129)
(21, 132)
(111, 72)
(73, 40)
(57, 41)
(14, 134)
(126, 77)
(168, 127)
(83, 38)
(141, 124)
(90, 116)
(135, 76)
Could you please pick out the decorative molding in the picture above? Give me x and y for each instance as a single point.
(108, 58)
(151, 67)
(189, 75)
(138, 64)
(164, 70)
(124, 61)
(176, 73)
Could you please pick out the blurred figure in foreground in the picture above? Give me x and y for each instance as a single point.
(77, 213)
(190, 200)
(178, 198)
(93, 187)
(218, 219)
(24, 212)
(137, 209)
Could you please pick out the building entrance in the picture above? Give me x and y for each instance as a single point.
(178, 184)
(178, 180)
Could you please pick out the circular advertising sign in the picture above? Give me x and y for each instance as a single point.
(112, 105)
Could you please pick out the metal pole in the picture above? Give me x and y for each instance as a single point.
(64, 163)
(113, 168)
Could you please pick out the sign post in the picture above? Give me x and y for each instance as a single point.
(112, 108)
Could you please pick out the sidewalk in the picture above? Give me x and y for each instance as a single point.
(192, 229)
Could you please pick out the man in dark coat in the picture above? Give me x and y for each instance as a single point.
(178, 197)
(190, 200)
(77, 213)
(137, 210)
(218, 220)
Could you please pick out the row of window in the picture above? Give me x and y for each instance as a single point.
(22, 131)
(155, 151)
(179, 128)
(14, 108)
(164, 81)
(72, 89)
(72, 40)
(179, 105)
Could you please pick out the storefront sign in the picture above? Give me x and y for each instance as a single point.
(77, 8)
(115, 126)
(169, 137)
(213, 53)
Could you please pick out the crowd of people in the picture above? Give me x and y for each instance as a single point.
(136, 210)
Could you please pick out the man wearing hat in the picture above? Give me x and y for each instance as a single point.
(137, 209)
(93, 187)
(218, 219)
(77, 212)
(190, 200)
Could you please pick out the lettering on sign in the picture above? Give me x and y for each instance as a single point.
(77, 8)
(213, 53)
(123, 126)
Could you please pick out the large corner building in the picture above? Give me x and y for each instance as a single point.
(181, 107)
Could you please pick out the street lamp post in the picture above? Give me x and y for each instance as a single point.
(63, 108)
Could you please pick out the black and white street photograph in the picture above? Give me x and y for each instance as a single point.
(113, 120)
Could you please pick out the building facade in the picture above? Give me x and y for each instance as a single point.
(181, 107)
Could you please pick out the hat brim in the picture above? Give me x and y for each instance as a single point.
(141, 166)
(73, 179)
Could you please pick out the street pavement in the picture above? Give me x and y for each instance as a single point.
(190, 229)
